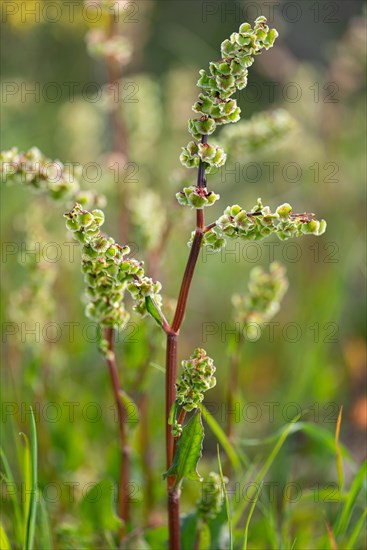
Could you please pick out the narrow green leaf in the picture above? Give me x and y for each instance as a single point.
(45, 536)
(222, 438)
(356, 531)
(158, 367)
(132, 411)
(204, 536)
(9, 479)
(251, 511)
(188, 452)
(264, 470)
(4, 541)
(226, 500)
(314, 431)
(31, 485)
(345, 516)
(153, 310)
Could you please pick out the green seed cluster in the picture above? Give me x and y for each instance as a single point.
(260, 222)
(265, 293)
(196, 197)
(213, 156)
(262, 131)
(35, 300)
(108, 271)
(197, 377)
(44, 175)
(226, 76)
(210, 504)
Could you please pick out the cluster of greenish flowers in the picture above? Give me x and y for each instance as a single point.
(260, 223)
(116, 48)
(33, 169)
(262, 131)
(196, 378)
(150, 228)
(210, 503)
(212, 155)
(196, 197)
(265, 293)
(109, 272)
(215, 106)
(34, 301)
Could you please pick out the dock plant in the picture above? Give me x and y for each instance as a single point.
(114, 279)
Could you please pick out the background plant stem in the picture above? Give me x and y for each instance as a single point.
(123, 496)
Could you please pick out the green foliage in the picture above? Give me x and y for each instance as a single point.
(226, 500)
(25, 509)
(233, 456)
(359, 482)
(30, 479)
(97, 507)
(188, 452)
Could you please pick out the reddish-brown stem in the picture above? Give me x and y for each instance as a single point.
(173, 500)
(181, 418)
(189, 271)
(171, 366)
(119, 133)
(123, 495)
(210, 226)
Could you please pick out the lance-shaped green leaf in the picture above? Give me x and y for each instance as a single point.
(153, 310)
(30, 480)
(188, 452)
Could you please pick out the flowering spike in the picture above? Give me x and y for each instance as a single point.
(226, 76)
(260, 222)
(42, 174)
(265, 293)
(108, 271)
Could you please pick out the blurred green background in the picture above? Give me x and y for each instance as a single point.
(316, 360)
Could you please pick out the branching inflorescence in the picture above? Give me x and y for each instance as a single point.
(109, 272)
(51, 177)
(216, 107)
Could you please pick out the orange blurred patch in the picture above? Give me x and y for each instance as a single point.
(355, 353)
(359, 412)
